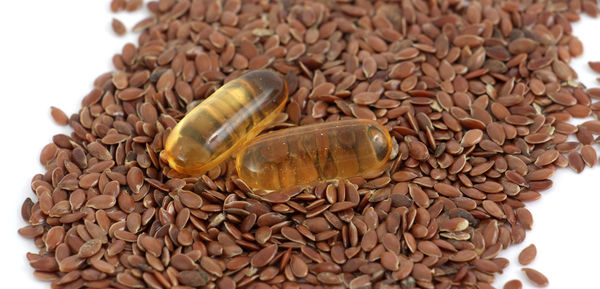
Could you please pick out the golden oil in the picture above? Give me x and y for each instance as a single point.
(306, 154)
(223, 122)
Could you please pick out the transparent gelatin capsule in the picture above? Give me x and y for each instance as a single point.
(306, 154)
(225, 121)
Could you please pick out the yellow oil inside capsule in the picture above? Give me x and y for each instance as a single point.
(303, 155)
(226, 120)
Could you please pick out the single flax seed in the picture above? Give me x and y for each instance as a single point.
(118, 27)
(527, 255)
(536, 277)
(59, 116)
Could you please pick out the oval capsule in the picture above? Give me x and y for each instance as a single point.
(226, 120)
(306, 154)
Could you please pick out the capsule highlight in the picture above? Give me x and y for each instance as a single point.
(225, 121)
(306, 154)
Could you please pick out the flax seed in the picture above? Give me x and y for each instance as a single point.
(513, 284)
(59, 116)
(536, 277)
(118, 27)
(527, 255)
(479, 122)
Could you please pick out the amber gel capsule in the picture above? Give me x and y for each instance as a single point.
(223, 122)
(305, 154)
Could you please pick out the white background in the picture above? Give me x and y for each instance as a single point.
(51, 51)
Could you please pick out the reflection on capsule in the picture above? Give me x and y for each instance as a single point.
(223, 122)
(303, 155)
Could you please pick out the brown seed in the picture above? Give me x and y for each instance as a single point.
(130, 93)
(129, 280)
(223, 283)
(527, 255)
(391, 242)
(595, 65)
(298, 266)
(468, 40)
(588, 154)
(496, 133)
(89, 248)
(365, 98)
(464, 255)
(547, 158)
(101, 202)
(329, 278)
(472, 137)
(295, 52)
(513, 284)
(454, 224)
(151, 245)
(31, 231)
(389, 261)
(362, 281)
(44, 263)
(26, 209)
(118, 27)
(538, 138)
(183, 262)
(536, 277)
(540, 174)
(262, 235)
(340, 206)
(402, 70)
(337, 254)
(217, 39)
(429, 248)
(419, 196)
(211, 266)
(237, 263)
(117, 5)
(114, 138)
(59, 116)
(326, 235)
(194, 278)
(576, 162)
(524, 217)
(70, 264)
(447, 190)
(421, 272)
(292, 235)
(369, 241)
(190, 199)
(486, 266)
(48, 153)
(264, 256)
(493, 209)
(133, 5)
(135, 179)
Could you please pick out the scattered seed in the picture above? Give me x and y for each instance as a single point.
(133, 5)
(118, 27)
(595, 65)
(513, 284)
(527, 255)
(536, 277)
(59, 116)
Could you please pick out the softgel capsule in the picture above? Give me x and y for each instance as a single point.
(306, 154)
(225, 121)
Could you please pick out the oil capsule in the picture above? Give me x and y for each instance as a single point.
(226, 120)
(305, 154)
